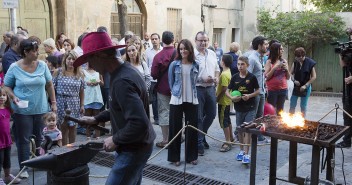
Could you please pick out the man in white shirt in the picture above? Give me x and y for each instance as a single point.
(150, 53)
(208, 76)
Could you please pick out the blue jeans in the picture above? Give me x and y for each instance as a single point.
(155, 106)
(26, 126)
(277, 99)
(304, 102)
(259, 104)
(206, 111)
(128, 167)
(259, 110)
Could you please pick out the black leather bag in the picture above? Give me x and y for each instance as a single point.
(297, 92)
(152, 92)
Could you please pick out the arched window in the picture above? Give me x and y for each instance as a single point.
(134, 19)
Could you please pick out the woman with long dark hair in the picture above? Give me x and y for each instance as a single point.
(182, 75)
(277, 74)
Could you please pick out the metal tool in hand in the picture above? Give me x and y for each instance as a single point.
(69, 118)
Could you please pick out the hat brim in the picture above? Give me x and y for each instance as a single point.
(83, 58)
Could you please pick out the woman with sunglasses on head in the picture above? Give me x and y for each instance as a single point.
(27, 82)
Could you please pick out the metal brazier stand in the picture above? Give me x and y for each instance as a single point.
(292, 176)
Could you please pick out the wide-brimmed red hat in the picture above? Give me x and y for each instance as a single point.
(92, 43)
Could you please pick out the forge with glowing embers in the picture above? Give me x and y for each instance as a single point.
(295, 129)
(296, 126)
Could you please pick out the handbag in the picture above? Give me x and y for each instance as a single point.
(297, 92)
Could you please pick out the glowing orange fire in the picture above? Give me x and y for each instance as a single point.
(292, 120)
(69, 145)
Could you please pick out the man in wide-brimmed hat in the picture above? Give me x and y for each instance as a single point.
(133, 135)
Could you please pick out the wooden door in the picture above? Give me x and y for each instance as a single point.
(34, 16)
(31, 14)
(329, 72)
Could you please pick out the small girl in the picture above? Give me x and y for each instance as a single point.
(50, 130)
(5, 138)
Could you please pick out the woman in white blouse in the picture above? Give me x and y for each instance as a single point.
(183, 74)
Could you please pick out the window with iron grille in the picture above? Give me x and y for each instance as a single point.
(174, 22)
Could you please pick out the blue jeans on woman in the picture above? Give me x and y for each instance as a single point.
(25, 127)
(304, 102)
(277, 99)
(128, 167)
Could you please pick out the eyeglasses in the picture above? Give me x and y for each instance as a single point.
(202, 40)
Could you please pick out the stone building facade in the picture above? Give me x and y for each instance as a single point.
(225, 21)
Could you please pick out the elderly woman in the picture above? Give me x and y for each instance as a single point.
(69, 84)
(303, 75)
(27, 82)
(234, 52)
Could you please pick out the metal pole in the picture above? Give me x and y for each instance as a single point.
(13, 20)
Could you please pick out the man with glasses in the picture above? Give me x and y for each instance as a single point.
(256, 66)
(208, 76)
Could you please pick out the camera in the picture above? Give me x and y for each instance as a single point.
(345, 50)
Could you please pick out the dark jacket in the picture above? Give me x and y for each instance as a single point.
(129, 111)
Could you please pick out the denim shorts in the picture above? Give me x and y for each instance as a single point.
(244, 117)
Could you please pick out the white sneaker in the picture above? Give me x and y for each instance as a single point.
(24, 175)
(2, 182)
(10, 178)
(246, 159)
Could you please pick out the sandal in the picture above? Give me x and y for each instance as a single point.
(225, 147)
(195, 162)
(161, 144)
(176, 163)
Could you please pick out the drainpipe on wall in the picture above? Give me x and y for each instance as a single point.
(13, 20)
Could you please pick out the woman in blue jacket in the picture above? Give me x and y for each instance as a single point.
(183, 74)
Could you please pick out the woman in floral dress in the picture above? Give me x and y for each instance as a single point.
(69, 86)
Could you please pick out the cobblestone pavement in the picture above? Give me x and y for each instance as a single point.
(223, 166)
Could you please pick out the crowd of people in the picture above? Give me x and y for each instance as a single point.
(185, 84)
